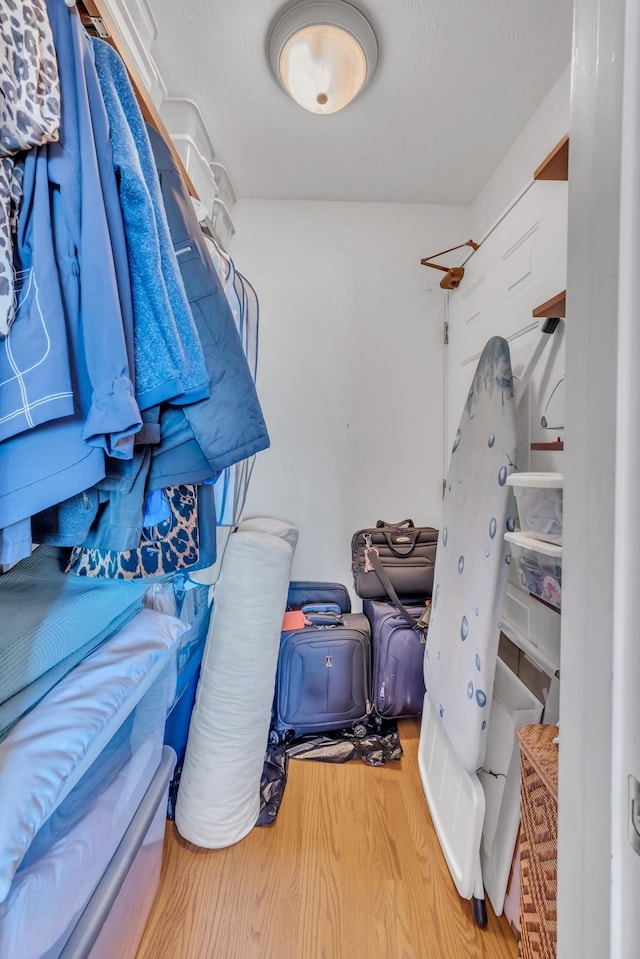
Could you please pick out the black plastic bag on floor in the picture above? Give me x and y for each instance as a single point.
(273, 782)
(379, 746)
(174, 785)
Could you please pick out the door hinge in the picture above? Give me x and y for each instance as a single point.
(98, 25)
(445, 333)
(633, 822)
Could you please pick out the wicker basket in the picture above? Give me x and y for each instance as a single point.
(538, 862)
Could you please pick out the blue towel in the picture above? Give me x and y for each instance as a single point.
(169, 361)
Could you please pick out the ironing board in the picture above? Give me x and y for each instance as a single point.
(469, 588)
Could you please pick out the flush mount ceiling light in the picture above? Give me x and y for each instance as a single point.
(323, 52)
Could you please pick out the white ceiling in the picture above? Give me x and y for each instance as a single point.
(456, 82)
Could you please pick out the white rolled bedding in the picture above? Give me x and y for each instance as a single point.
(219, 797)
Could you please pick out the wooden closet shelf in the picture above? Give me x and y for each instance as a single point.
(555, 165)
(556, 306)
(556, 445)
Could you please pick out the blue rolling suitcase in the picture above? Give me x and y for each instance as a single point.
(302, 592)
(323, 677)
(398, 654)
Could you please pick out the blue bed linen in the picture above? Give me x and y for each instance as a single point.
(47, 754)
(48, 616)
(18, 705)
(56, 884)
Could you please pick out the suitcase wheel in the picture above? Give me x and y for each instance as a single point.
(276, 738)
(377, 721)
(360, 730)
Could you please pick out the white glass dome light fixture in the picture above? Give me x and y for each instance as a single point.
(323, 52)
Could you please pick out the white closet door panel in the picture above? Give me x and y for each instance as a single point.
(519, 266)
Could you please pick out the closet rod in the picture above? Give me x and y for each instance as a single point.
(98, 10)
(494, 226)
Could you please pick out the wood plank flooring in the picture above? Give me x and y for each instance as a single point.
(351, 869)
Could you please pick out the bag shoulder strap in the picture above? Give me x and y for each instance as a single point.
(420, 624)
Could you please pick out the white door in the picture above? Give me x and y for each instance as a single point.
(625, 838)
(519, 266)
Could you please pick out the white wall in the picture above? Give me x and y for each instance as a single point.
(351, 367)
(588, 623)
(546, 127)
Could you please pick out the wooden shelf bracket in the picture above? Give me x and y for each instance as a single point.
(555, 307)
(555, 165)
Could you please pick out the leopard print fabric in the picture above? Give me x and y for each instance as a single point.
(29, 116)
(173, 544)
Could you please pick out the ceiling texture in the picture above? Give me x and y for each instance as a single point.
(456, 82)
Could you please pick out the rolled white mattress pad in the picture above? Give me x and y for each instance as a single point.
(218, 801)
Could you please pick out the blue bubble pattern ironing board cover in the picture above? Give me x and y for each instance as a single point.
(472, 559)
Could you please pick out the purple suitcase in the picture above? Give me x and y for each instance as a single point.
(398, 654)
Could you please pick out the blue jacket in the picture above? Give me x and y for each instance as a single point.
(54, 461)
(203, 438)
(168, 356)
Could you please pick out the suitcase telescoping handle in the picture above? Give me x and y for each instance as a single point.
(309, 608)
(324, 618)
(420, 624)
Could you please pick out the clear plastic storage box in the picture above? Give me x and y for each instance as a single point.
(539, 566)
(539, 500)
(74, 772)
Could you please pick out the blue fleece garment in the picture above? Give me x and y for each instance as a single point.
(169, 361)
(59, 459)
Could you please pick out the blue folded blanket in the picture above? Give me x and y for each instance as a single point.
(51, 620)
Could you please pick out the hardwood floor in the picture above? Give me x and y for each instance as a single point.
(351, 869)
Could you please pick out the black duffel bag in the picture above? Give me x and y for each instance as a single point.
(407, 554)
